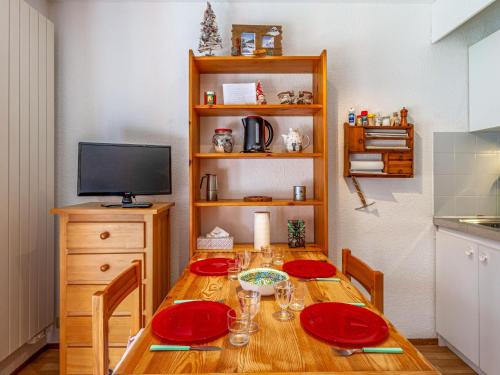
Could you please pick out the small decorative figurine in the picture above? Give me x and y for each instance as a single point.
(395, 119)
(294, 140)
(210, 38)
(305, 97)
(296, 233)
(404, 117)
(286, 97)
(261, 99)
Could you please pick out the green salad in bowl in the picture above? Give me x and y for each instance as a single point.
(261, 280)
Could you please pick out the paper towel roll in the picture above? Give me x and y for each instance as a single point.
(366, 165)
(261, 229)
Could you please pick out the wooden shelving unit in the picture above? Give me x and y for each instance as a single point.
(314, 65)
(398, 162)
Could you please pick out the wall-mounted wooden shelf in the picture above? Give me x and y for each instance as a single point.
(313, 65)
(262, 65)
(267, 155)
(242, 203)
(256, 109)
(398, 161)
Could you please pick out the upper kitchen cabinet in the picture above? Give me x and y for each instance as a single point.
(484, 80)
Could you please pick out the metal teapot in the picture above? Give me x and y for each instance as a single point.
(294, 140)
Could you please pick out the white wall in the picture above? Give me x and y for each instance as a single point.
(122, 75)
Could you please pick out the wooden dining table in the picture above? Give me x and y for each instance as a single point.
(277, 347)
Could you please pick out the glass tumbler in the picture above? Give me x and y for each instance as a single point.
(243, 258)
(250, 306)
(233, 270)
(267, 256)
(238, 325)
(278, 256)
(298, 297)
(283, 292)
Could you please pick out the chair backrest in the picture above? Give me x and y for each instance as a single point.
(104, 304)
(372, 281)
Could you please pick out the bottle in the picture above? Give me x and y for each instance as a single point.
(352, 117)
(364, 118)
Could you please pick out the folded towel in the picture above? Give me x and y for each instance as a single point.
(369, 157)
(386, 142)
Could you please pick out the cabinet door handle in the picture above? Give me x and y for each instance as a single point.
(469, 252)
(104, 267)
(104, 235)
(360, 141)
(483, 258)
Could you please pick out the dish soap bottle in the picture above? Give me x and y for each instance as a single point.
(352, 117)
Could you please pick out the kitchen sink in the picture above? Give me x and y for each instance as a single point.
(492, 223)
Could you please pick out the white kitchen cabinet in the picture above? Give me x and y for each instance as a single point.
(468, 297)
(457, 315)
(489, 309)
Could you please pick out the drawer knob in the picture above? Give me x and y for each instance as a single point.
(483, 258)
(104, 267)
(104, 235)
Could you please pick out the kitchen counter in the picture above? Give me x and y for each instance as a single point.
(454, 223)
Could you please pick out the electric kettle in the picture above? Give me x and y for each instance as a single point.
(254, 140)
(211, 191)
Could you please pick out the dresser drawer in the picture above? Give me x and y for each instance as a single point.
(79, 300)
(400, 167)
(79, 330)
(105, 235)
(79, 360)
(98, 267)
(400, 156)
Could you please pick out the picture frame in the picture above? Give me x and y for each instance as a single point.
(246, 39)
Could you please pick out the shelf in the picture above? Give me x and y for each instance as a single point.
(249, 246)
(258, 109)
(241, 203)
(264, 155)
(380, 175)
(402, 138)
(253, 64)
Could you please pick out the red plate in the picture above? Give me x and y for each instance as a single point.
(191, 322)
(344, 325)
(211, 266)
(309, 268)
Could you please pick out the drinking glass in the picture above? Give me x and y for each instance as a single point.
(243, 258)
(250, 306)
(283, 292)
(278, 256)
(233, 270)
(267, 256)
(238, 325)
(299, 291)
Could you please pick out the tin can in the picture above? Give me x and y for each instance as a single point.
(210, 98)
(299, 193)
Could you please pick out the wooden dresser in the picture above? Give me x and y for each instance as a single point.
(96, 244)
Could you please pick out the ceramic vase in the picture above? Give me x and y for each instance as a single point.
(261, 229)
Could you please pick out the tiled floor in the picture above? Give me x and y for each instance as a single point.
(441, 357)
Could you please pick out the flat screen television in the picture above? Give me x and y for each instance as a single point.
(124, 169)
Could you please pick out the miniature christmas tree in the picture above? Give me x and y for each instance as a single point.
(261, 99)
(210, 38)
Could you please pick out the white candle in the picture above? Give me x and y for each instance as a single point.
(261, 229)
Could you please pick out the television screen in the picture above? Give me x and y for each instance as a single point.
(116, 169)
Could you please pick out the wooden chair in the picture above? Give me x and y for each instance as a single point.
(104, 304)
(372, 281)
